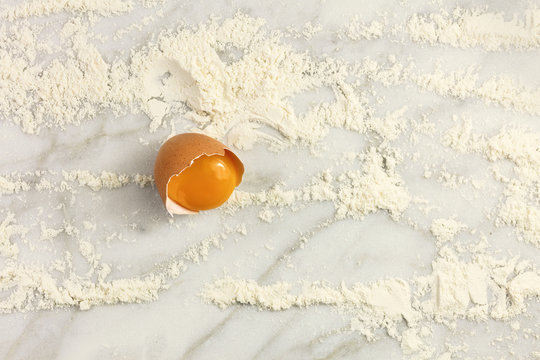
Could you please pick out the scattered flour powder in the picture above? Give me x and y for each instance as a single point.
(519, 207)
(196, 72)
(476, 27)
(356, 30)
(445, 229)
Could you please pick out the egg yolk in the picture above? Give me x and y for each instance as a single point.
(206, 184)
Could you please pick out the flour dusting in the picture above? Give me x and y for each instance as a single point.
(466, 28)
(241, 81)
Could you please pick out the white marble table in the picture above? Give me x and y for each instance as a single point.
(179, 325)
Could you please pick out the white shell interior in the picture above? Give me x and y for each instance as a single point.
(174, 208)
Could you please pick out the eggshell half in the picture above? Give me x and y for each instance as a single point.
(177, 154)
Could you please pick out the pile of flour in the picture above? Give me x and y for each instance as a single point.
(235, 79)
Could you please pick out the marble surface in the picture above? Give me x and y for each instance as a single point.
(178, 325)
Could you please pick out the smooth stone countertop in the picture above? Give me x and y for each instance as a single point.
(179, 325)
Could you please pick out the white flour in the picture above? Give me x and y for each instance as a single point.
(48, 7)
(355, 30)
(477, 27)
(521, 147)
(35, 287)
(354, 194)
(445, 229)
(236, 80)
(51, 181)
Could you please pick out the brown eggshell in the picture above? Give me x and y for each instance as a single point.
(178, 153)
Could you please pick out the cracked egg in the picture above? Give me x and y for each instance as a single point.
(195, 172)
